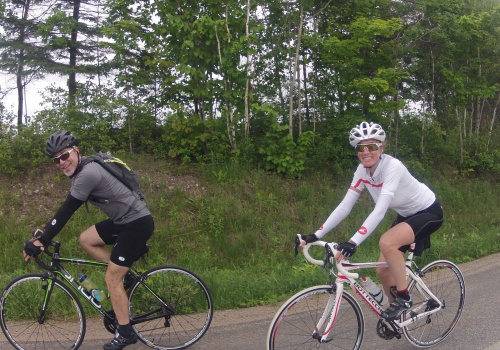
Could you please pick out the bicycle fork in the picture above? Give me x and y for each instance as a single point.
(330, 313)
(49, 287)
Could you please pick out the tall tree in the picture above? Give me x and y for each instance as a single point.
(20, 55)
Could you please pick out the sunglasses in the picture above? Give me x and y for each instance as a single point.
(370, 146)
(63, 156)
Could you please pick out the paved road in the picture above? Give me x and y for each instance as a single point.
(478, 328)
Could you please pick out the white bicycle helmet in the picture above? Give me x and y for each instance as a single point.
(366, 131)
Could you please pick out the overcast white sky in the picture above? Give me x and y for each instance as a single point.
(33, 97)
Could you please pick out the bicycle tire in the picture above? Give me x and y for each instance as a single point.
(295, 322)
(63, 327)
(182, 290)
(446, 282)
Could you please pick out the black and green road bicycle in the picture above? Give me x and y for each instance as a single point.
(170, 307)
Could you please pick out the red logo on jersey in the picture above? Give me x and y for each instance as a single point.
(362, 230)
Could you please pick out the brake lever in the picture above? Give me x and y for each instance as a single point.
(37, 233)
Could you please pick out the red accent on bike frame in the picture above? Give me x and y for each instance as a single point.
(333, 322)
(368, 183)
(366, 301)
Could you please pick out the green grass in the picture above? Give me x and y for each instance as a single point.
(235, 226)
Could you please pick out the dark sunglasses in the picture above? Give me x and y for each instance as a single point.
(63, 156)
(370, 146)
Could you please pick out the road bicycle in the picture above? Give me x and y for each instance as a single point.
(328, 317)
(170, 307)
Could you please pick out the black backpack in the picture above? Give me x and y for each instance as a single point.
(118, 169)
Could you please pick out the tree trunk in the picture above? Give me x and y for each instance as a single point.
(461, 137)
(299, 102)
(306, 99)
(72, 56)
(295, 68)
(493, 117)
(20, 67)
(228, 107)
(247, 83)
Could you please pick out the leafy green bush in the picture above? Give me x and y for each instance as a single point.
(193, 140)
(21, 151)
(281, 154)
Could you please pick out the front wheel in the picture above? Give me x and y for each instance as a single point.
(172, 309)
(295, 324)
(60, 327)
(446, 282)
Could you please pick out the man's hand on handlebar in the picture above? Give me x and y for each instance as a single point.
(33, 247)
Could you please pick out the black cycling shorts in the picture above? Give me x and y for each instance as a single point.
(423, 224)
(128, 239)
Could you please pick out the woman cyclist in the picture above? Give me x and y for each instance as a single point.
(391, 186)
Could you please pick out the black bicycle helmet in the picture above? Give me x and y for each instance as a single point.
(58, 141)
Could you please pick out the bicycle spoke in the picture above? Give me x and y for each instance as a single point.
(186, 317)
(445, 281)
(64, 320)
(294, 325)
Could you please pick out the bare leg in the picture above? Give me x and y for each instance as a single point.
(96, 248)
(390, 242)
(93, 245)
(117, 294)
(386, 278)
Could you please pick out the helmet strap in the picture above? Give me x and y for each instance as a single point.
(78, 167)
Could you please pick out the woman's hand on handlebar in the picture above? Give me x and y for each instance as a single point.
(345, 251)
(307, 239)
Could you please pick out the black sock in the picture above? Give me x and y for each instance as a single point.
(125, 330)
(403, 294)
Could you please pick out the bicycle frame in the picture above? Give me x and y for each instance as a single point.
(345, 276)
(56, 269)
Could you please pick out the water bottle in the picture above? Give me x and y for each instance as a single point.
(374, 290)
(97, 293)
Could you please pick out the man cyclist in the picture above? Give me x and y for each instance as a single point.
(391, 186)
(129, 226)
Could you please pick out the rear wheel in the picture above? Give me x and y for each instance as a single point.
(185, 318)
(62, 327)
(446, 282)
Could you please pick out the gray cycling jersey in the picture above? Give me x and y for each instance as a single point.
(93, 181)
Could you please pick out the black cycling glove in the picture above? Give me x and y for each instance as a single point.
(31, 249)
(309, 238)
(347, 249)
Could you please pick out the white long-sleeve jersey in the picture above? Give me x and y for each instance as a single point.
(391, 186)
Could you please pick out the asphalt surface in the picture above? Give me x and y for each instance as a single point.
(246, 329)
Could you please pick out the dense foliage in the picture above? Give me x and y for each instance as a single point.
(277, 84)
